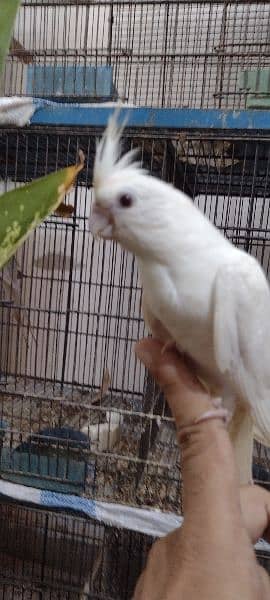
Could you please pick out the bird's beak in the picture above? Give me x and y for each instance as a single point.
(101, 222)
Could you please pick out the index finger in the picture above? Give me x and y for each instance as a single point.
(211, 487)
(177, 381)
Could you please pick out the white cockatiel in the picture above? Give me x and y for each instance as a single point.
(199, 291)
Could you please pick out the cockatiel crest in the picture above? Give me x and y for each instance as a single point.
(108, 159)
(128, 200)
(199, 291)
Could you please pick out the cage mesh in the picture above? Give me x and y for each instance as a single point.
(167, 54)
(78, 413)
(68, 558)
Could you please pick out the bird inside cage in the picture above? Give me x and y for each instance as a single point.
(200, 293)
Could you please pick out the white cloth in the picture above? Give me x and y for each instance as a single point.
(150, 522)
(16, 111)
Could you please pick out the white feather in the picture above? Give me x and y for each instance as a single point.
(211, 298)
(108, 152)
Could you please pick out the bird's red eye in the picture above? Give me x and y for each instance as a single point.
(125, 201)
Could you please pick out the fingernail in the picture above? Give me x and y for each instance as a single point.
(144, 355)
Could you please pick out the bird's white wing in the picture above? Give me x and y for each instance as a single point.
(155, 326)
(241, 307)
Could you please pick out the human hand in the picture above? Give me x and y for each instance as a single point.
(211, 556)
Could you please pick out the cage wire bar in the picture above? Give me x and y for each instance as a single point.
(78, 414)
(148, 53)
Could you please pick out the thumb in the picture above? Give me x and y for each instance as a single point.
(208, 466)
(187, 400)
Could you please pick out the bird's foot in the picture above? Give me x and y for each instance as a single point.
(217, 413)
(208, 415)
(217, 402)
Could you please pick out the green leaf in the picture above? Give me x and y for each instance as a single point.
(8, 10)
(21, 210)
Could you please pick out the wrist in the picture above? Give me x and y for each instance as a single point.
(207, 456)
(206, 443)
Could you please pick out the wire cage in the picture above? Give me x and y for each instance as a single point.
(199, 54)
(78, 414)
(89, 561)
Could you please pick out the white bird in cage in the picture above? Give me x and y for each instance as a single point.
(199, 291)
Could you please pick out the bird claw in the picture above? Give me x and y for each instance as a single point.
(217, 402)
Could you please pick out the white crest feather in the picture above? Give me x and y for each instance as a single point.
(108, 154)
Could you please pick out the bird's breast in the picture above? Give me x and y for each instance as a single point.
(184, 309)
